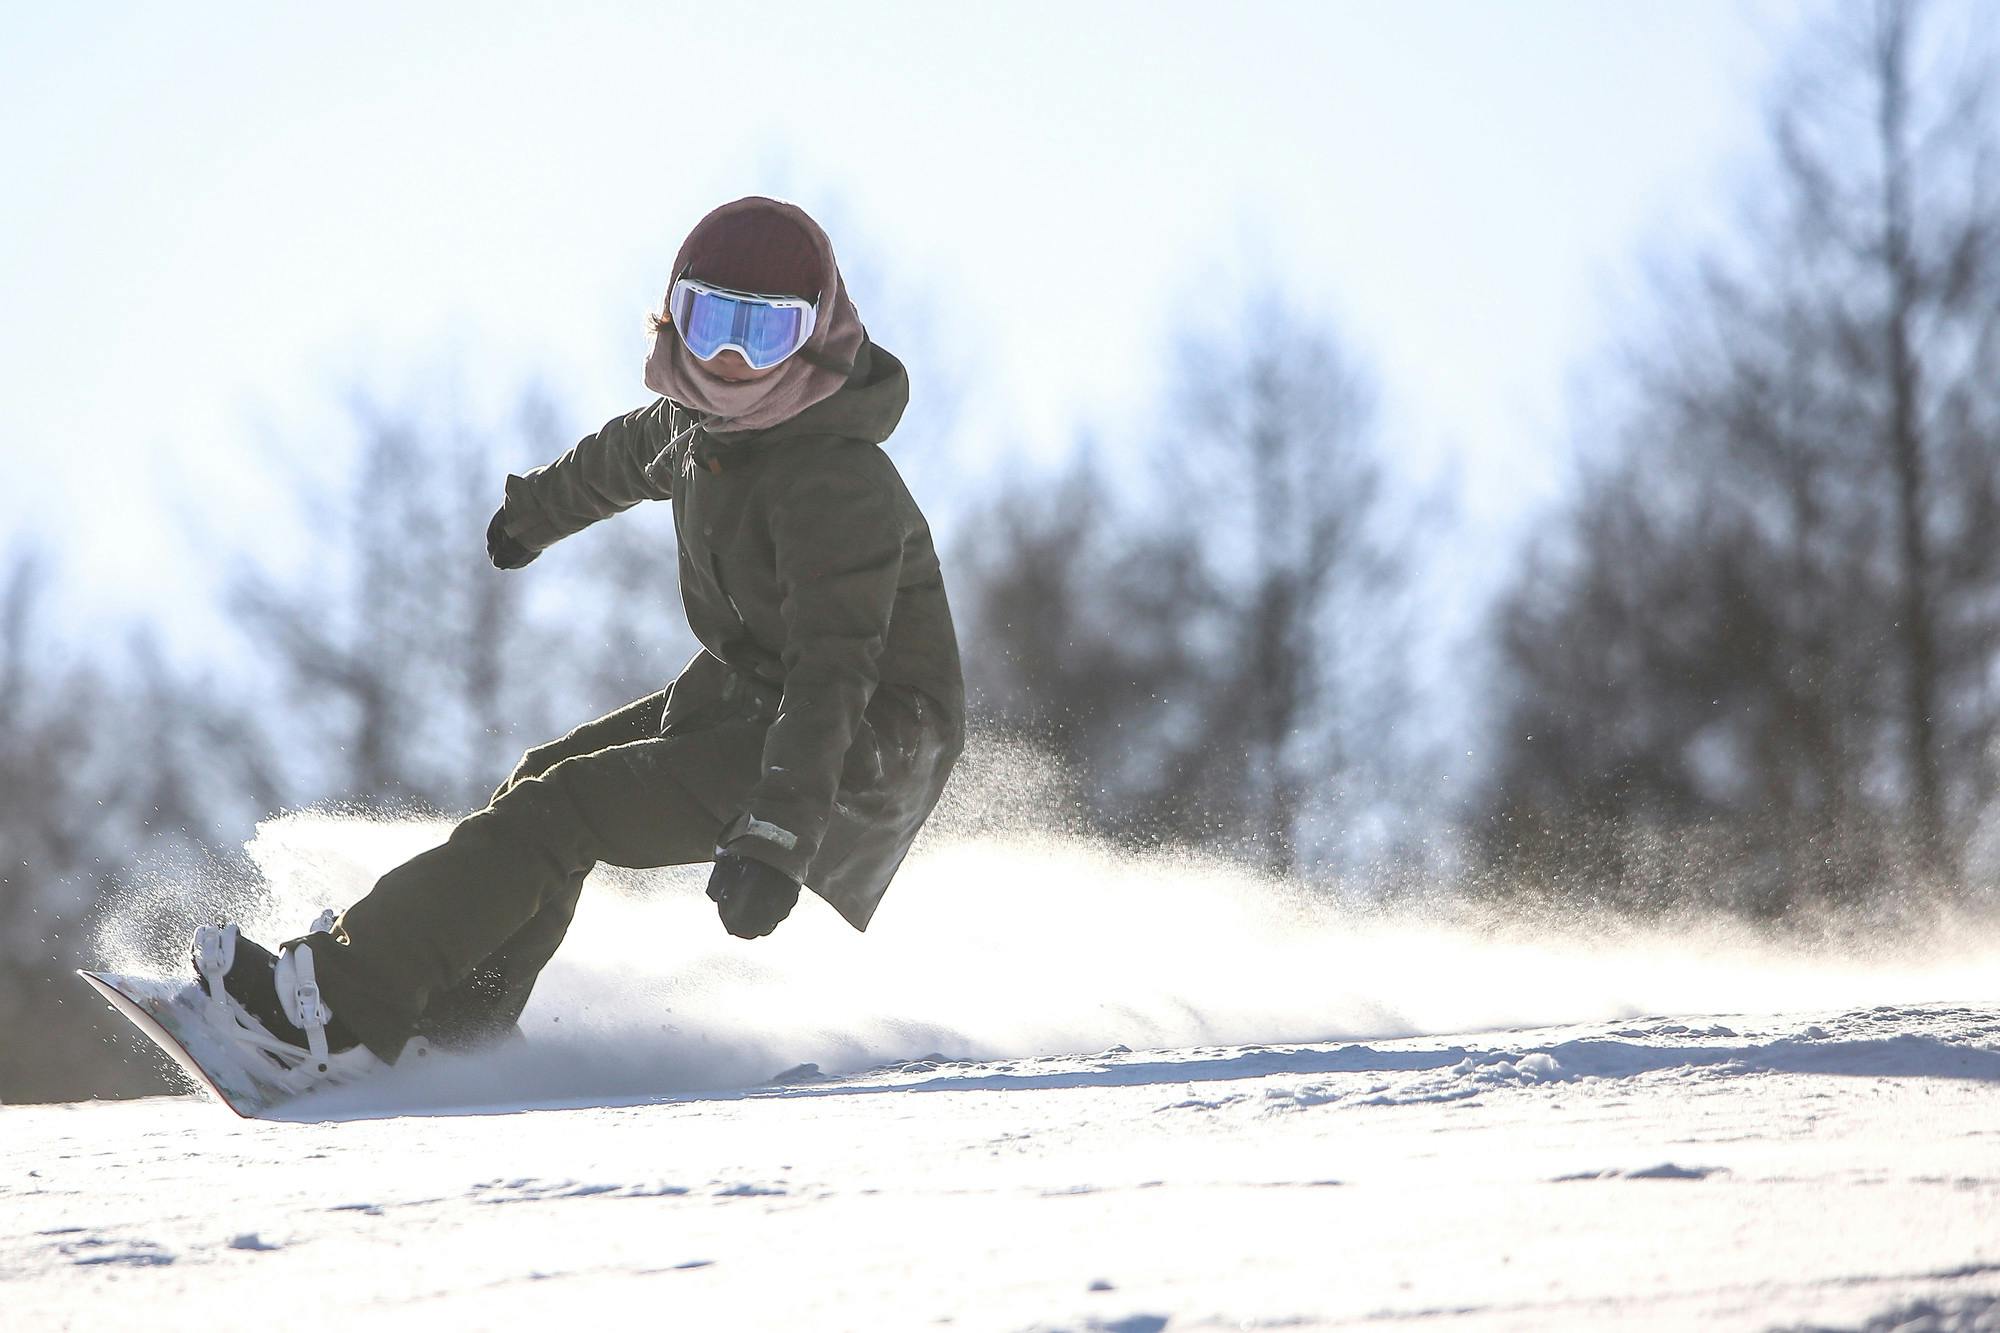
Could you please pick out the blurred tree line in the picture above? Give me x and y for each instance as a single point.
(1212, 639)
(1750, 663)
(1756, 661)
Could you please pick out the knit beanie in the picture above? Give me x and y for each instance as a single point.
(761, 251)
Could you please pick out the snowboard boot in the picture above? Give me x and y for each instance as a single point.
(268, 1005)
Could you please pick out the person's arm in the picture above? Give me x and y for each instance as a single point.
(838, 537)
(624, 462)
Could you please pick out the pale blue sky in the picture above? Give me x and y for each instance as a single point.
(221, 216)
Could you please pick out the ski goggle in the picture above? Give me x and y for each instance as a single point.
(763, 330)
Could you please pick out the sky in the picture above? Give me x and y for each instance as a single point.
(225, 218)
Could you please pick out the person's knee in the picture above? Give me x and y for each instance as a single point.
(632, 805)
(538, 815)
(534, 764)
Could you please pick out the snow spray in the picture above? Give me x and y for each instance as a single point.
(999, 941)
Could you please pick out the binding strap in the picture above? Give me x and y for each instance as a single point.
(308, 1011)
(214, 955)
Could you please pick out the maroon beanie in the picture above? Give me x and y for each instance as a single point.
(756, 251)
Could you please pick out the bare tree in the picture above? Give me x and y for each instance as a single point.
(409, 669)
(1279, 493)
(1221, 656)
(1073, 636)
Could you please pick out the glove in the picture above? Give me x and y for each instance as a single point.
(501, 549)
(750, 896)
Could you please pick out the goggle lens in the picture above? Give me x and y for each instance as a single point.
(763, 333)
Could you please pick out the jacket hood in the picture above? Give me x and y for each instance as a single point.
(866, 408)
(815, 372)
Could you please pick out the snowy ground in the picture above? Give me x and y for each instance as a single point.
(1283, 1148)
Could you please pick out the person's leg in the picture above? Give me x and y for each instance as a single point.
(430, 922)
(637, 721)
(487, 1004)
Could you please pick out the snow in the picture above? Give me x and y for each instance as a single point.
(1071, 1090)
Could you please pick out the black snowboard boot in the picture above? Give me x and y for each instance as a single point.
(249, 974)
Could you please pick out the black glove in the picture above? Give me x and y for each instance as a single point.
(750, 896)
(502, 550)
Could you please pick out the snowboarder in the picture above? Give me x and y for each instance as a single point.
(804, 745)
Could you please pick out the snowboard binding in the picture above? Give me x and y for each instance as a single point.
(269, 1009)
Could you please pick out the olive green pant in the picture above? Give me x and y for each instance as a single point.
(448, 944)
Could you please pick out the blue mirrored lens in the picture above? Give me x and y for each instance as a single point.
(769, 334)
(705, 323)
(709, 322)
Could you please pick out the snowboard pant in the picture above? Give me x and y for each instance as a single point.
(448, 944)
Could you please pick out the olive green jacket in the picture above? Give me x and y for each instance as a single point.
(810, 578)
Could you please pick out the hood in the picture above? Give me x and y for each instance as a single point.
(817, 371)
(867, 408)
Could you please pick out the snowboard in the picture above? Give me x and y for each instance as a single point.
(175, 1015)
